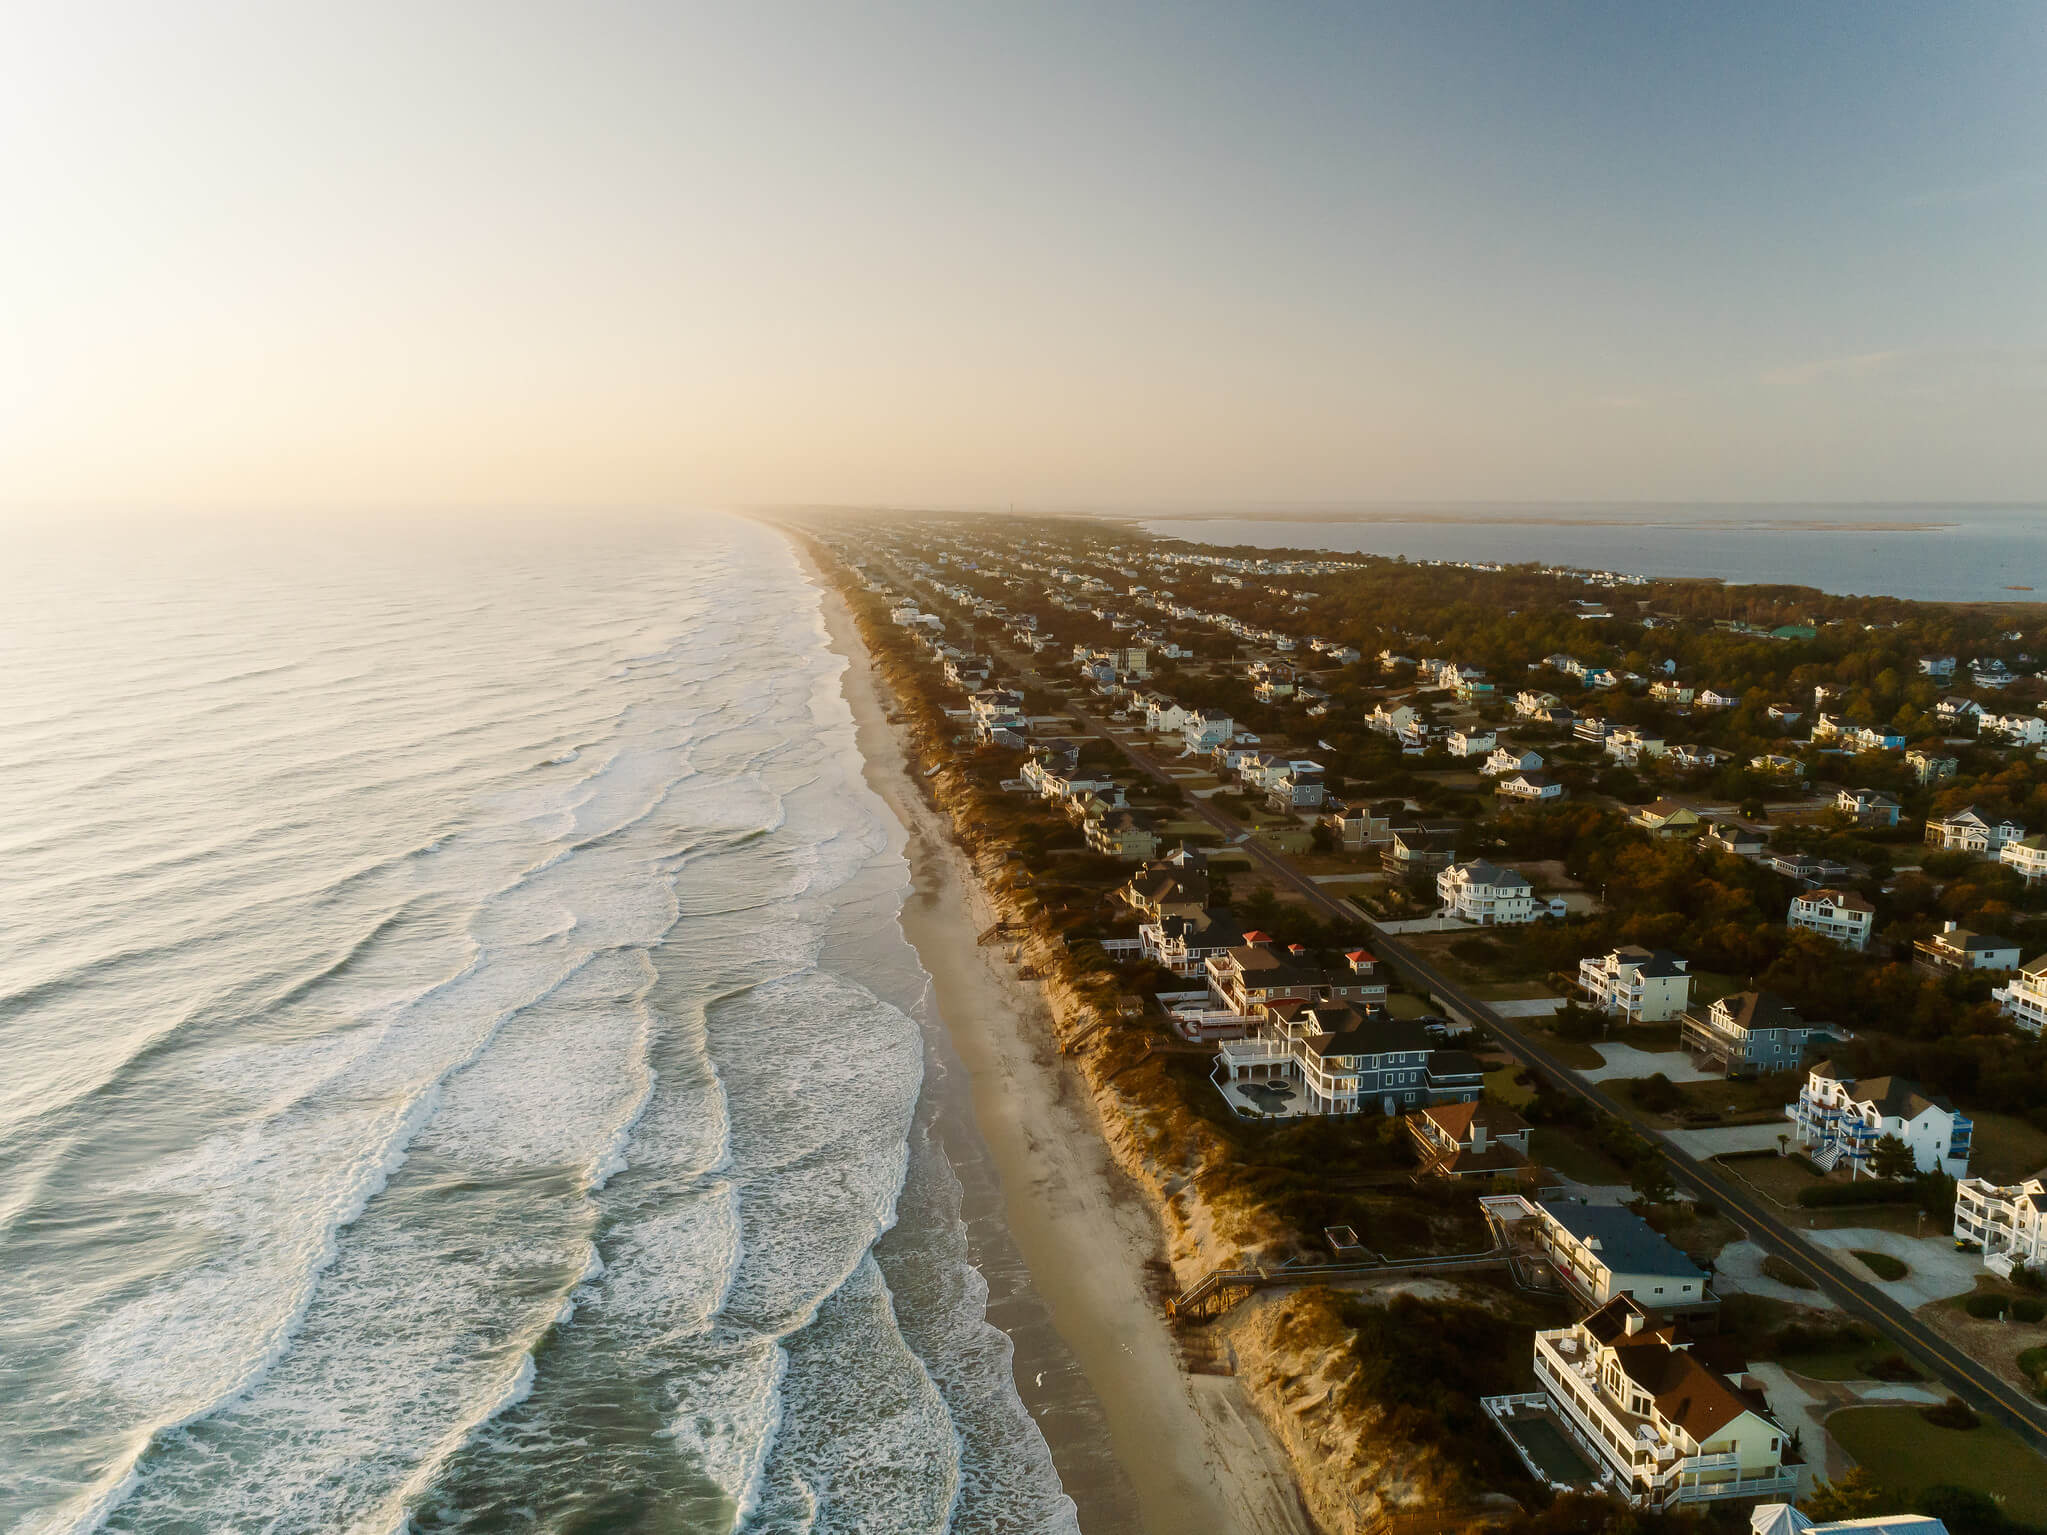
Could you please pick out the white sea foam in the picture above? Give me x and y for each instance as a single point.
(485, 1141)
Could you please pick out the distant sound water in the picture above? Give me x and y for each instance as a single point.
(462, 1065)
(1927, 553)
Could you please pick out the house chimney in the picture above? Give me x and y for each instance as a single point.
(1947, 927)
(1633, 1324)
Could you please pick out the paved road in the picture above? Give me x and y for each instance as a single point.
(1957, 1371)
(1961, 1374)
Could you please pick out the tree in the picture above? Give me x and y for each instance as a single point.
(1858, 1495)
(1649, 1176)
(1964, 1510)
(1893, 1159)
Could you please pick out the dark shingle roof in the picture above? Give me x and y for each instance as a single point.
(1625, 1242)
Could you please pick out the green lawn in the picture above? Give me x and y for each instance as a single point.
(1501, 1085)
(1883, 1265)
(1850, 1362)
(1905, 1452)
(1555, 1148)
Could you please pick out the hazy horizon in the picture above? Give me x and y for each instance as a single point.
(1142, 261)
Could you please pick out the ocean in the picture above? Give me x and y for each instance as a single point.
(1927, 553)
(464, 1070)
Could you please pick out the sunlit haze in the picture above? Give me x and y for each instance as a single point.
(1054, 255)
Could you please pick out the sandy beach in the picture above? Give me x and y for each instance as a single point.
(1139, 1444)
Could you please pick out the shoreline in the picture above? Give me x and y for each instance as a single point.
(1136, 1432)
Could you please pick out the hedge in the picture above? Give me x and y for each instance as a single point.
(1872, 1192)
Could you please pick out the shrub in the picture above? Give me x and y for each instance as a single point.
(1953, 1413)
(1987, 1308)
(1883, 1265)
(2029, 1308)
(1657, 1094)
(1893, 1367)
(1864, 1192)
(1784, 1271)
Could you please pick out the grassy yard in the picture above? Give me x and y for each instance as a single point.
(1847, 1361)
(1777, 1178)
(1905, 1452)
(1511, 991)
(1737, 1102)
(2007, 1149)
(1501, 1085)
(1555, 1147)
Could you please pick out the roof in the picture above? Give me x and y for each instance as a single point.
(1761, 1010)
(1699, 1400)
(1626, 1243)
(1847, 900)
(1653, 963)
(1350, 1032)
(1479, 872)
(1897, 1097)
(1970, 941)
(1456, 1119)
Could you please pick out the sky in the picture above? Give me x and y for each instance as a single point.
(1049, 255)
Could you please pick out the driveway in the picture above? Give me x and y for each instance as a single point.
(1739, 1271)
(1528, 1007)
(1725, 1138)
(1937, 1270)
(1802, 1405)
(1627, 1061)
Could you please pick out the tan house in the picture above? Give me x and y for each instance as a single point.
(1666, 818)
(1663, 1428)
(1125, 834)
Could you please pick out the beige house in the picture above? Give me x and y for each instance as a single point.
(1662, 1428)
(1666, 818)
(1637, 984)
(1840, 915)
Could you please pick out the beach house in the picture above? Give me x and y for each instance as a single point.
(1970, 830)
(1206, 729)
(1748, 1034)
(1636, 984)
(1125, 834)
(1666, 818)
(1957, 950)
(1839, 1119)
(1485, 893)
(1868, 807)
(1511, 759)
(1473, 1139)
(2024, 996)
(2008, 1221)
(1840, 915)
(1663, 1428)
(2026, 857)
(1472, 741)
(1535, 787)
(1332, 1058)
(1930, 767)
